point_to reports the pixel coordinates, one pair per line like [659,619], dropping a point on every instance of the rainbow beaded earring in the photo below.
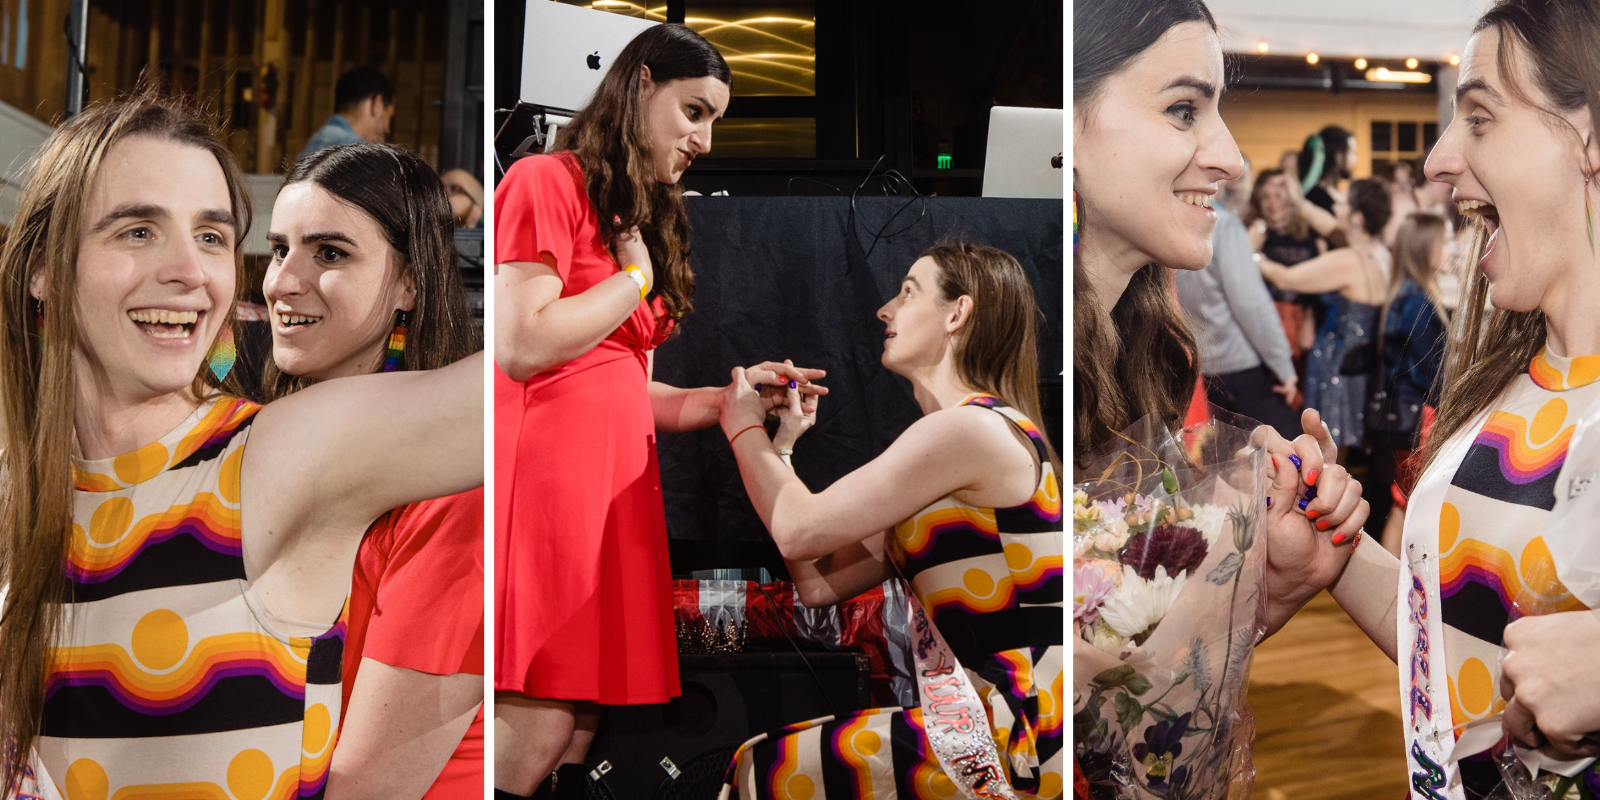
[223,354]
[397,343]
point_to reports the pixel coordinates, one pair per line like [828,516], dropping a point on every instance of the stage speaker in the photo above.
[679,750]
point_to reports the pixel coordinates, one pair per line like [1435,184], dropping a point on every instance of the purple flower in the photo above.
[1090,588]
[1178,548]
[1163,743]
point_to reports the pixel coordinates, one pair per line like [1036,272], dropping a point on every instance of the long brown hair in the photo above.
[1491,347]
[1298,227]
[38,389]
[1415,242]
[998,350]
[611,140]
[408,201]
[1141,358]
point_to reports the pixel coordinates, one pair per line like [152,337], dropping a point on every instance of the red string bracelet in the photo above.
[743,432]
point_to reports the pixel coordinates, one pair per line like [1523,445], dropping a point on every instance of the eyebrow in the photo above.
[1478,85]
[152,211]
[1206,88]
[710,106]
[312,238]
[912,281]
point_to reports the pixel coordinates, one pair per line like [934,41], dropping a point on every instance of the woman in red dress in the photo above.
[591,248]
[365,278]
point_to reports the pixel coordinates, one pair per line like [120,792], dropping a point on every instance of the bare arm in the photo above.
[400,729]
[1330,272]
[942,453]
[340,453]
[1367,590]
[842,574]
[536,329]
[682,410]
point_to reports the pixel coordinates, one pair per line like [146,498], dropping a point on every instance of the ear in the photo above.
[408,293]
[960,313]
[1584,122]
[375,107]
[646,85]
[36,285]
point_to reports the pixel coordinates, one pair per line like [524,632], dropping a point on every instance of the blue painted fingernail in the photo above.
[757,387]
[1304,503]
[1269,502]
[1311,493]
[1295,460]
[792,384]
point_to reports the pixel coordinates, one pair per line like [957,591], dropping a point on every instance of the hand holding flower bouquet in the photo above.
[1168,573]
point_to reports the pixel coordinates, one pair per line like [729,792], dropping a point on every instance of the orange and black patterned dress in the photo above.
[167,680]
[991,579]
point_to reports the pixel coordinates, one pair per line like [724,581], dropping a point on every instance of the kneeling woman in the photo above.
[177,599]
[365,278]
[965,505]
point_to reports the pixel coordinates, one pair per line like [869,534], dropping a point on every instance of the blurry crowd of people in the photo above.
[1335,299]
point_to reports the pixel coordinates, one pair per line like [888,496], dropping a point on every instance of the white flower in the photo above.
[1106,542]
[1101,636]
[1139,604]
[1210,521]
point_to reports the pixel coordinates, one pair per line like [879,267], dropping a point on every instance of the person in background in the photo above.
[1238,195]
[1355,280]
[1288,229]
[1243,350]
[1338,159]
[1412,354]
[466,197]
[363,103]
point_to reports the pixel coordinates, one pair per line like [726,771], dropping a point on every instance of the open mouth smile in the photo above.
[163,323]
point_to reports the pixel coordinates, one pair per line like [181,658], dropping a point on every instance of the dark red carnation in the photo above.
[1175,547]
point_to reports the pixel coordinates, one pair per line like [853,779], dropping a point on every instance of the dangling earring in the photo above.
[222,354]
[397,343]
[38,327]
[1588,210]
[1074,222]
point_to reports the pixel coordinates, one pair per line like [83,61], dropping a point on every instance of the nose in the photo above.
[184,265]
[1219,154]
[886,313]
[1446,164]
[700,140]
[284,278]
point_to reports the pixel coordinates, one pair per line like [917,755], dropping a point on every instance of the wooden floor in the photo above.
[1327,706]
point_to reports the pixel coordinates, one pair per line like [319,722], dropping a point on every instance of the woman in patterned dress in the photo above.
[1488,620]
[175,615]
[965,505]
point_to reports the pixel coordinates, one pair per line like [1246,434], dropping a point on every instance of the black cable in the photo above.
[888,184]
[789,187]
[814,676]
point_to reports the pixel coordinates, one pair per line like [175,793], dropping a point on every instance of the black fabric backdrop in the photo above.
[789,277]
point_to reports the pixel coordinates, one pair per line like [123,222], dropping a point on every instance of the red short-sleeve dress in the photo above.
[583,600]
[416,602]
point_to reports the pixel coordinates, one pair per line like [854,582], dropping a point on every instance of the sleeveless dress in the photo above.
[168,681]
[1341,399]
[583,592]
[991,580]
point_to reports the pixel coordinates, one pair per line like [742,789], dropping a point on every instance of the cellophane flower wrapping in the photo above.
[1169,563]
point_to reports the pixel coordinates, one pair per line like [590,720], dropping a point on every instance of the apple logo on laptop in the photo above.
[594,60]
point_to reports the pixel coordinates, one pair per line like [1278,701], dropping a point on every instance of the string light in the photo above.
[1411,63]
[1455,60]
[1313,58]
[1361,63]
[1261,48]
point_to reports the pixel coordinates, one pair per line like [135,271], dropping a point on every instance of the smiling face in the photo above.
[1275,201]
[1522,171]
[678,115]
[919,321]
[1151,150]
[333,286]
[155,269]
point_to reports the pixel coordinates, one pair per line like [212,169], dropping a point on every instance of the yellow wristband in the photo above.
[638,277]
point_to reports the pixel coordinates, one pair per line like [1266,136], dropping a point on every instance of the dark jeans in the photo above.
[1250,393]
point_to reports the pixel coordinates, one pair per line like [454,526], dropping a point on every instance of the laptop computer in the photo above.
[1024,157]
[567,49]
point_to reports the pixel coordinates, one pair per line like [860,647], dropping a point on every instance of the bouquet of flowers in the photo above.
[1168,574]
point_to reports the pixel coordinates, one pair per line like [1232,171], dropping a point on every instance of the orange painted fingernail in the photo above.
[1338,538]
[1274,463]
[1322,525]
[1311,478]
[1313,514]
